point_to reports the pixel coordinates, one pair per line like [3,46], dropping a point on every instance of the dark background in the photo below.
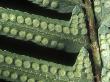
[29,48]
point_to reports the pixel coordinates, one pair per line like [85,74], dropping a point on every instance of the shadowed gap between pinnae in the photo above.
[33,50]
[26,6]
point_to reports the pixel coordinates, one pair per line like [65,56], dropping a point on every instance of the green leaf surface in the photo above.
[62,6]
[38,29]
[45,73]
